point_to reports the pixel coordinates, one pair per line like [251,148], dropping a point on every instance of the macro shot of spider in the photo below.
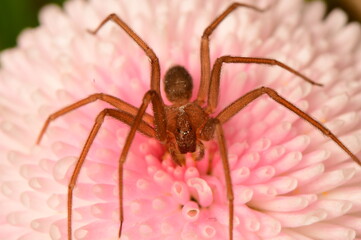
[184,125]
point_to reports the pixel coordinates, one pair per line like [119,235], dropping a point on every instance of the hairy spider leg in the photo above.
[154,61]
[161,135]
[227,175]
[124,117]
[116,102]
[243,101]
[205,55]
[216,72]
[209,87]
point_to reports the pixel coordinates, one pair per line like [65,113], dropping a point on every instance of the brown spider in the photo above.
[183,125]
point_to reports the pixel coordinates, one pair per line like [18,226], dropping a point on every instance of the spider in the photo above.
[183,125]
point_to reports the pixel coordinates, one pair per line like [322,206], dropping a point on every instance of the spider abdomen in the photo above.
[178,84]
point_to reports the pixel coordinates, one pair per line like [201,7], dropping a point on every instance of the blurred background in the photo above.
[16,15]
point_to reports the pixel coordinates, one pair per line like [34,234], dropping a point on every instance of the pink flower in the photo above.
[290,182]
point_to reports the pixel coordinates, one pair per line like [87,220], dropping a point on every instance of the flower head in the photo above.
[289,181]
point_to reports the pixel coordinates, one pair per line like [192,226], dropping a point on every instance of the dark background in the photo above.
[16,15]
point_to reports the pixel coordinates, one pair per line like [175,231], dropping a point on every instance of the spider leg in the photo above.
[127,118]
[160,133]
[227,175]
[205,59]
[216,72]
[155,68]
[206,132]
[243,101]
[116,102]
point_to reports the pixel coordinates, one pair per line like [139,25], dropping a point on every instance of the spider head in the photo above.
[178,84]
[185,135]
